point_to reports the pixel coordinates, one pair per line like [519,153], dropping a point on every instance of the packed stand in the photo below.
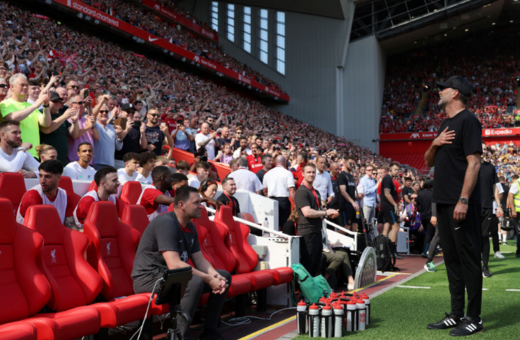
[203,47]
[490,62]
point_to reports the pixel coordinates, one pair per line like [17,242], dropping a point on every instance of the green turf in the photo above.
[403,313]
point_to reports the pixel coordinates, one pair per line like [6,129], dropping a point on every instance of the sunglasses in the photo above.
[154,115]
[103,111]
[3,86]
[59,100]
[74,86]
[79,103]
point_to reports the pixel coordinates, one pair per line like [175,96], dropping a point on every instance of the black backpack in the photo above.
[384,254]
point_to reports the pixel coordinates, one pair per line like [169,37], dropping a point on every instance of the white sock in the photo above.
[504,237]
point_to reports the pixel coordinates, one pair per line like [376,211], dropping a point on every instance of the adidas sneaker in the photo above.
[449,321]
[467,327]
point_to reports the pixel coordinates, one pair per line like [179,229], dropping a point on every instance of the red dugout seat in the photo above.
[131,192]
[18,331]
[26,291]
[93,186]
[12,187]
[135,216]
[66,184]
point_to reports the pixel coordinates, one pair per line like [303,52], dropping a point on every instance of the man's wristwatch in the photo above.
[22,149]
[120,140]
[463,200]
[45,105]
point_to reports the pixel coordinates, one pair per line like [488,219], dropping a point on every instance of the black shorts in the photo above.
[379,217]
[349,215]
[388,216]
[488,221]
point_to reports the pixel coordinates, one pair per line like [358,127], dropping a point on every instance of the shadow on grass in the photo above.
[505,271]
[502,318]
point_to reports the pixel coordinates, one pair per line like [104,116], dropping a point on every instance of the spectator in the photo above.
[183,167]
[206,140]
[110,139]
[301,160]
[245,179]
[80,170]
[183,134]
[34,91]
[233,165]
[88,132]
[202,169]
[60,130]
[155,135]
[369,191]
[224,138]
[178,180]
[156,199]
[290,227]
[107,187]
[278,184]
[407,190]
[255,159]
[323,182]
[208,188]
[134,136]
[243,149]
[4,88]
[129,172]
[225,155]
[72,88]
[48,193]
[267,164]
[147,164]
[13,153]
[16,108]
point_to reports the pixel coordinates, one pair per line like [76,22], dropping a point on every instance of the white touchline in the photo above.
[512,290]
[414,287]
[484,289]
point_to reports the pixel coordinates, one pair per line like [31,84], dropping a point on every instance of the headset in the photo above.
[206,183]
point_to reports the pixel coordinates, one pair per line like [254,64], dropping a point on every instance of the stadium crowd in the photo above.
[176,35]
[489,61]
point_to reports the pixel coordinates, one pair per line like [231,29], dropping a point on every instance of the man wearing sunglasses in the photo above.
[4,88]
[86,125]
[156,135]
[134,138]
[72,88]
[368,189]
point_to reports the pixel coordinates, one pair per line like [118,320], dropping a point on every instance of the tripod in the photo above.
[174,333]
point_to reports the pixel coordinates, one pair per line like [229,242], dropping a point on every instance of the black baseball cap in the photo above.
[54,96]
[458,83]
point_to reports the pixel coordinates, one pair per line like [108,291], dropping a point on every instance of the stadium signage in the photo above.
[431,135]
[180,19]
[366,272]
[166,45]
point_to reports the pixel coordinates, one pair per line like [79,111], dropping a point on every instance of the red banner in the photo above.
[180,19]
[128,28]
[40,16]
[486,133]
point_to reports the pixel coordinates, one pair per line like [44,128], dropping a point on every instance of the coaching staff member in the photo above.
[310,215]
[455,153]
[168,242]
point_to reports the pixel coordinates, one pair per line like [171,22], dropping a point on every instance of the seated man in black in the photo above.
[168,242]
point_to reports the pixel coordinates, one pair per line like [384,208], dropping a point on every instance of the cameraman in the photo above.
[162,248]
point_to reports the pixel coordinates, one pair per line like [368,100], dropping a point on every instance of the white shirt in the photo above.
[75,171]
[144,180]
[238,153]
[194,182]
[246,180]
[94,195]
[323,184]
[17,160]
[514,188]
[278,180]
[60,203]
[210,146]
[124,177]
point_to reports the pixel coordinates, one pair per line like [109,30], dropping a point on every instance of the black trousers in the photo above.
[489,225]
[429,229]
[311,248]
[462,244]
[284,210]
[433,244]
[196,287]
[516,221]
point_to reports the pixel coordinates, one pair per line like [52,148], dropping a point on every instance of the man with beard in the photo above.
[13,153]
[157,197]
[347,186]
[81,170]
[254,161]
[134,136]
[155,135]
[243,149]
[169,242]
[267,164]
[107,186]
[455,153]
[48,193]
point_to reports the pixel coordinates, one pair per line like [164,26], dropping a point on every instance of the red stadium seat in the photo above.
[248,217]
[12,187]
[25,289]
[18,331]
[131,192]
[93,186]
[135,216]
[66,184]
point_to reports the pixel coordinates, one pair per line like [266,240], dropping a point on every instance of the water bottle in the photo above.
[366,298]
[265,225]
[326,322]
[361,316]
[351,316]
[338,319]
[314,321]
[301,317]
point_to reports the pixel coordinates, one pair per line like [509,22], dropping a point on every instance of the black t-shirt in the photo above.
[260,174]
[334,204]
[451,162]
[305,198]
[488,177]
[58,138]
[164,233]
[424,203]
[504,196]
[387,183]
[349,182]
[130,143]
[155,136]
[407,192]
[233,204]
[222,141]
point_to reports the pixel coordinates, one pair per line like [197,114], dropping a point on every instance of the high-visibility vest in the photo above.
[517,196]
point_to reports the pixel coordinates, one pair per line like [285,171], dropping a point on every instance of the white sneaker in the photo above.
[499,256]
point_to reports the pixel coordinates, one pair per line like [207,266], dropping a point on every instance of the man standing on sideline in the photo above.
[310,215]
[279,185]
[455,153]
[503,201]
[489,222]
[334,204]
[81,170]
[389,208]
[323,182]
[513,201]
[369,189]
[407,190]
[347,187]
